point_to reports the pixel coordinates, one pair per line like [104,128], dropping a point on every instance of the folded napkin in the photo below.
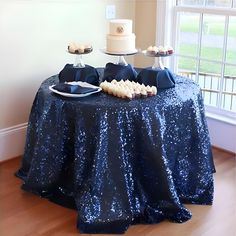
[119,72]
[74,89]
[87,74]
[162,79]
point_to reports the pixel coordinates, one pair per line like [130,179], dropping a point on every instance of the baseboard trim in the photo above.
[224,150]
[9,160]
[12,141]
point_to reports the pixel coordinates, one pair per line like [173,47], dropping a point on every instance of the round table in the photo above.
[120,162]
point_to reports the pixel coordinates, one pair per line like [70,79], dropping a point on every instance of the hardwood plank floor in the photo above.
[24,214]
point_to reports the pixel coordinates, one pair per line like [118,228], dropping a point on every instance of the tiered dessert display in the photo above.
[159,52]
[120,41]
[79,50]
[120,79]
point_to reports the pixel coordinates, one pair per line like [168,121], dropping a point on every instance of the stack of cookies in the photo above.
[79,48]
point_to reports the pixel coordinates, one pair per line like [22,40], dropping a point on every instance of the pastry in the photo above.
[79,48]
[127,89]
[149,91]
[155,51]
[154,90]
[143,93]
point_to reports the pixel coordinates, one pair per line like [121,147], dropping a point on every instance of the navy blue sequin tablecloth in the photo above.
[120,162]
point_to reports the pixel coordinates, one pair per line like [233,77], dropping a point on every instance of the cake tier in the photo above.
[120,44]
[120,27]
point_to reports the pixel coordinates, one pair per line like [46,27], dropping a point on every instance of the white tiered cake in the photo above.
[120,38]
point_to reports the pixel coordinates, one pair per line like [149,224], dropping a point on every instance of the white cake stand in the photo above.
[121,59]
[158,64]
[78,62]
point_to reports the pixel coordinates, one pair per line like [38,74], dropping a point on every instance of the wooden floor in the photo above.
[24,214]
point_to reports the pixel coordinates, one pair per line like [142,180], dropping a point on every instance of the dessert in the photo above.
[120,38]
[79,48]
[127,89]
[159,51]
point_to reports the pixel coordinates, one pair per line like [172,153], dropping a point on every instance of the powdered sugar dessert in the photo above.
[127,89]
[159,51]
[75,48]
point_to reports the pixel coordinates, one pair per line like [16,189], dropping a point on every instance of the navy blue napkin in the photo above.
[162,79]
[74,89]
[87,74]
[119,72]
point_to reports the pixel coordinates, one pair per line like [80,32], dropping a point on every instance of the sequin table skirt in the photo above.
[120,162]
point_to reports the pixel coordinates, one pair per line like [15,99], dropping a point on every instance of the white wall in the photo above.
[33,39]
[145,29]
[34,35]
[222,134]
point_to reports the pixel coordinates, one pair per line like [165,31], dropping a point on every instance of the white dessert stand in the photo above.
[121,59]
[78,62]
[158,64]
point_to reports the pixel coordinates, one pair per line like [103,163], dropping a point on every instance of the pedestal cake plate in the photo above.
[78,62]
[158,64]
[121,60]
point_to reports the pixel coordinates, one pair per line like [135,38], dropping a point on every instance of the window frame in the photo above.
[167,20]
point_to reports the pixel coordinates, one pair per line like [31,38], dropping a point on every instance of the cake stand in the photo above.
[158,64]
[78,62]
[121,60]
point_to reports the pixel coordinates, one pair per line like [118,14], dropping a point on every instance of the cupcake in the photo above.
[149,91]
[80,49]
[123,93]
[155,49]
[137,93]
[129,95]
[72,47]
[88,48]
[154,90]
[114,81]
[131,90]
[170,50]
[143,93]
[162,50]
[115,91]
[143,87]
[149,49]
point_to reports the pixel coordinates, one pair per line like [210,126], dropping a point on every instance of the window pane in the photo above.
[229,93]
[209,80]
[231,42]
[188,34]
[210,68]
[190,2]
[210,98]
[186,65]
[229,89]
[208,3]
[230,71]
[218,3]
[212,37]
[229,102]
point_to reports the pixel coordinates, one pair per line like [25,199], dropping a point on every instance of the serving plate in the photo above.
[151,54]
[76,95]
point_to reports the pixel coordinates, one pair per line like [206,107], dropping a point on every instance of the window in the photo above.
[205,46]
